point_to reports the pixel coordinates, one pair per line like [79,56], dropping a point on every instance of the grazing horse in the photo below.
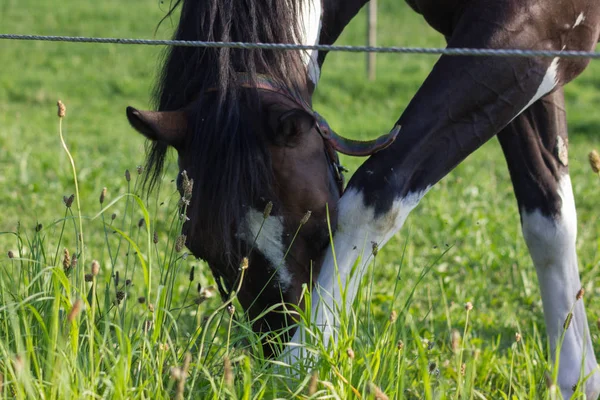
[242,125]
[261,160]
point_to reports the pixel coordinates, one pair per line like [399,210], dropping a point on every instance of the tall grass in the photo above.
[127,316]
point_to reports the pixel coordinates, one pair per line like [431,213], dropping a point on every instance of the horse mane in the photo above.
[231,163]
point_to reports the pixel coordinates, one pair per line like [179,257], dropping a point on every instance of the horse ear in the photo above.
[163,126]
[292,125]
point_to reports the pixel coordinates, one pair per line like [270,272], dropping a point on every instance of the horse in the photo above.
[242,124]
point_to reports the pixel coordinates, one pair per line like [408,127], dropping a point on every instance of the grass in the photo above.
[63,337]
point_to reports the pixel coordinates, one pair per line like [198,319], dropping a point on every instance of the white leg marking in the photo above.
[311,28]
[358,228]
[551,243]
[268,242]
[547,85]
[579,20]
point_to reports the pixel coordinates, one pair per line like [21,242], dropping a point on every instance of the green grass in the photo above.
[462,244]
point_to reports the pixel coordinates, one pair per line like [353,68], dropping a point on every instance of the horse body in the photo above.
[464,102]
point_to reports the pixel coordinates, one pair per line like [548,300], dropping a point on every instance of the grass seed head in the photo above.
[244,264]
[68,200]
[66,260]
[187,185]
[141,222]
[595,161]
[350,353]
[75,310]
[102,195]
[89,277]
[463,369]
[568,321]
[580,294]
[393,316]
[95,267]
[141,300]
[231,310]
[127,175]
[179,243]
[155,237]
[306,217]
[377,392]
[113,216]
[62,110]
[468,306]
[374,248]
[120,296]
[139,169]
[400,345]
[518,337]
[433,368]
[205,294]
[10,254]
[192,274]
[267,210]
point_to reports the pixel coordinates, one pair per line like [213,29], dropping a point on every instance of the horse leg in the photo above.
[535,147]
[463,103]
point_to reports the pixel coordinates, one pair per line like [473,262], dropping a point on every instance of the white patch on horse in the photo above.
[551,243]
[358,228]
[547,85]
[310,21]
[268,242]
[579,20]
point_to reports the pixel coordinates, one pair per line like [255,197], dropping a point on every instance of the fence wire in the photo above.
[319,47]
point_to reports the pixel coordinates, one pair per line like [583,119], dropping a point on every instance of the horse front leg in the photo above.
[535,147]
[463,103]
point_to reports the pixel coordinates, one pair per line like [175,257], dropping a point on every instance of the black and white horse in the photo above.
[242,124]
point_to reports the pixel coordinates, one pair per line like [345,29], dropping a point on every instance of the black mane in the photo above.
[231,163]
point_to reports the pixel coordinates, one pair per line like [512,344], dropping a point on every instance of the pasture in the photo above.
[151,333]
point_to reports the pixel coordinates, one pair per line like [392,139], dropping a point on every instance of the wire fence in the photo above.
[318,47]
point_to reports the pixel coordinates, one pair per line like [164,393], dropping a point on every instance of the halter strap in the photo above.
[351,147]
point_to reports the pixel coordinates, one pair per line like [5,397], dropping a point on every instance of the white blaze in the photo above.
[268,242]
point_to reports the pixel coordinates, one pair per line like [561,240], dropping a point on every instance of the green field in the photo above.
[462,244]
